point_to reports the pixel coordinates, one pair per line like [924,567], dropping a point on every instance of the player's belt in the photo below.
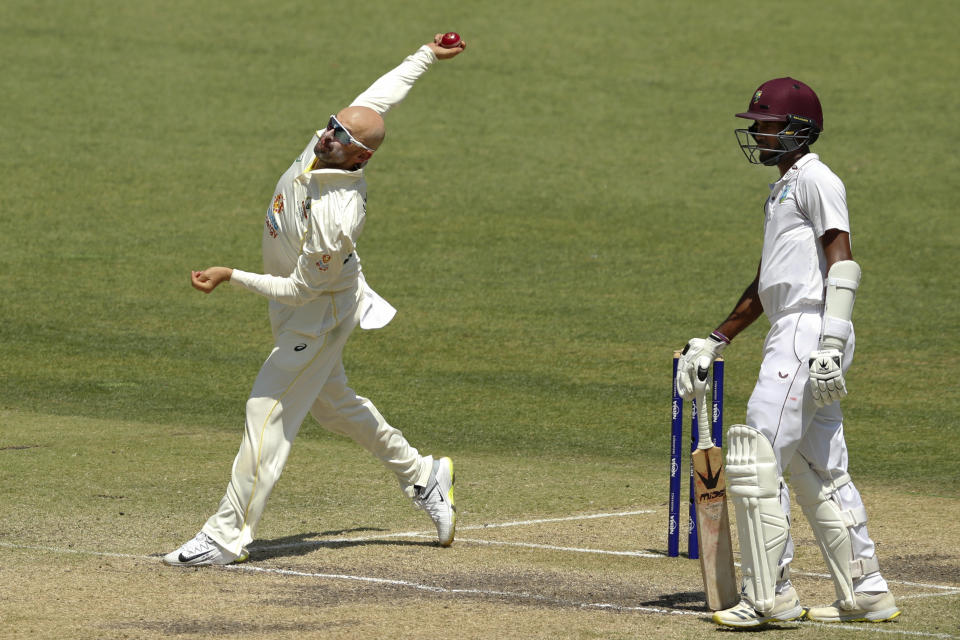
[349,255]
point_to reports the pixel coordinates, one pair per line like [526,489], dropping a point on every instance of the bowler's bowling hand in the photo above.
[445,53]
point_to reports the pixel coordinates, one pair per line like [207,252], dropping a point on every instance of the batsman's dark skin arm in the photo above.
[747,309]
[836,247]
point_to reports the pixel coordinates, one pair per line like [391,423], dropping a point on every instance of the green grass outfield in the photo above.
[553,213]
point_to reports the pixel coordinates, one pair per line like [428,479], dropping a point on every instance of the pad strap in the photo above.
[843,283]
[841,480]
[860,568]
[850,517]
[837,328]
[854,517]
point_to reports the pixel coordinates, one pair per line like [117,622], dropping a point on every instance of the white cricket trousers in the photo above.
[303,373]
[782,408]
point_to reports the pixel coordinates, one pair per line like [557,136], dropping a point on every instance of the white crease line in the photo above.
[482,592]
[827,576]
[550,547]
[914,596]
[520,523]
[872,628]
[85,552]
[929,586]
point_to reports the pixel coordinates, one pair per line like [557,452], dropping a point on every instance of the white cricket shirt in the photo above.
[805,203]
[313,222]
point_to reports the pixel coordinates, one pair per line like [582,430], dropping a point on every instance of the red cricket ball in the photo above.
[450,40]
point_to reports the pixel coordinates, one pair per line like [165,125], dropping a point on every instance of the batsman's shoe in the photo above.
[436,498]
[199,551]
[786,607]
[875,607]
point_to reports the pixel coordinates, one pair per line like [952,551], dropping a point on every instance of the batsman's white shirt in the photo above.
[806,202]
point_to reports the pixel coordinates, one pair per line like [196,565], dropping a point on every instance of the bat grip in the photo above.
[701,386]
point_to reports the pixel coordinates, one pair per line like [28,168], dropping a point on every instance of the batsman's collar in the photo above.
[810,157]
[792,171]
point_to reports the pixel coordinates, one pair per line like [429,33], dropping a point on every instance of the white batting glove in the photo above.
[695,349]
[826,377]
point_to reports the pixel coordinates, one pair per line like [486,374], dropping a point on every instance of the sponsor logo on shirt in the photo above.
[784,194]
[324,263]
[305,208]
[273,228]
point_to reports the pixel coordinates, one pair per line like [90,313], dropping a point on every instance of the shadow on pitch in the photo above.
[683,600]
[304,543]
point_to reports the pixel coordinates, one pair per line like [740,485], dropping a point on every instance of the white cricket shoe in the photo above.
[876,607]
[437,500]
[786,607]
[200,550]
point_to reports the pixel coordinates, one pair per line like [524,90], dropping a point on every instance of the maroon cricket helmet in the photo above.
[785,99]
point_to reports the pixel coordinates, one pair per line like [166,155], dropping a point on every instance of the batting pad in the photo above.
[831,525]
[753,484]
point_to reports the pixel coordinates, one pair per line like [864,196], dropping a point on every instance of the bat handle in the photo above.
[702,390]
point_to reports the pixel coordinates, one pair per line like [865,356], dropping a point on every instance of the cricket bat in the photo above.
[710,497]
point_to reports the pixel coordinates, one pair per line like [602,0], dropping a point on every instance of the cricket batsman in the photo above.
[806,285]
[317,295]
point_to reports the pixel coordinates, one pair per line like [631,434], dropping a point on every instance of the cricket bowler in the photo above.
[317,295]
